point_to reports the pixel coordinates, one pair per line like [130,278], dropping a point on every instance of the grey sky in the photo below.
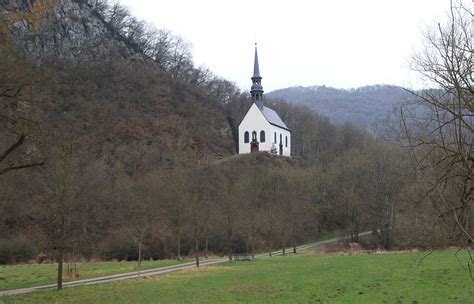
[342,43]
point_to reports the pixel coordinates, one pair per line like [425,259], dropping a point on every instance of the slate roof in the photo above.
[273,117]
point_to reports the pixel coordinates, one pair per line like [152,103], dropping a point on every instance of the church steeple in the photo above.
[257,89]
[256,69]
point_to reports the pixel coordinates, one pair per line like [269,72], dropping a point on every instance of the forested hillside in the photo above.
[113,144]
[363,107]
[88,88]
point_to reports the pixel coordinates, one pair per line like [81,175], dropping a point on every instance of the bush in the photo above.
[15,250]
[115,247]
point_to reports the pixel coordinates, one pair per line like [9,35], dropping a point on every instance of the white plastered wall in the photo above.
[256,121]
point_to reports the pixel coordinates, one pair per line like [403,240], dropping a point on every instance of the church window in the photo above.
[281,139]
[286,141]
[275,137]
[262,136]
[254,136]
[246,137]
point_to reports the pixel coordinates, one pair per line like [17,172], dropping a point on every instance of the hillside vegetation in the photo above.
[114,145]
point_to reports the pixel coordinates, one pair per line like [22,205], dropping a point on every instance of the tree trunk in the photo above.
[178,243]
[355,225]
[206,247]
[139,256]
[61,252]
[253,247]
[293,239]
[229,244]
[269,248]
[293,243]
[247,245]
[196,249]
[63,180]
[357,221]
[469,226]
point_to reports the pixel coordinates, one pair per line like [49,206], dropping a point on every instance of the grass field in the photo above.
[28,275]
[301,278]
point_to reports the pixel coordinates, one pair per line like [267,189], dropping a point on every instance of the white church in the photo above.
[262,129]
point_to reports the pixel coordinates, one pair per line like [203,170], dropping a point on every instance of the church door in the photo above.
[254,143]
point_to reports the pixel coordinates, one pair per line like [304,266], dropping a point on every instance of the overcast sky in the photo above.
[338,43]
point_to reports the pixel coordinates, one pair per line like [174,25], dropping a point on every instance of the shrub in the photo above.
[18,249]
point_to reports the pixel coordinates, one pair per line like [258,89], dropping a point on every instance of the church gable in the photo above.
[254,118]
[264,114]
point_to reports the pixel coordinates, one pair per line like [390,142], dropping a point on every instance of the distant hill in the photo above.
[361,106]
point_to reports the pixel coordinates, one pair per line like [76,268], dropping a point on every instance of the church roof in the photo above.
[273,118]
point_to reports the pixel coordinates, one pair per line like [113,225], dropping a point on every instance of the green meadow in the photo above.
[300,278]
[29,275]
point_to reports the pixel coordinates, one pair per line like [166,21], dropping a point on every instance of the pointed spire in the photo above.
[256,69]
[257,88]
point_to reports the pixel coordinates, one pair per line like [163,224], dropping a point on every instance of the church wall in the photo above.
[284,134]
[256,121]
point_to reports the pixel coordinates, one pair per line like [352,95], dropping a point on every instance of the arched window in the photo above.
[275,137]
[254,136]
[286,141]
[281,139]
[246,137]
[262,136]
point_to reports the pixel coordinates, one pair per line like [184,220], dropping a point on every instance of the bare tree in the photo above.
[387,169]
[438,125]
[230,206]
[300,212]
[19,113]
[139,198]
[251,199]
[202,181]
[172,53]
[173,186]
[272,218]
[61,182]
